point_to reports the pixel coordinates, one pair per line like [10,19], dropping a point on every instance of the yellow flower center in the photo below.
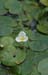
[22,38]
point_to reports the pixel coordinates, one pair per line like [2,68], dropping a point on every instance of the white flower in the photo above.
[22,37]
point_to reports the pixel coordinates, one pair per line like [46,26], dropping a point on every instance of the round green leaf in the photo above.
[33,10]
[26,67]
[7,55]
[45,2]
[2,8]
[7,41]
[20,56]
[14,6]
[5,25]
[39,45]
[39,42]
[12,56]
[43,66]
[43,27]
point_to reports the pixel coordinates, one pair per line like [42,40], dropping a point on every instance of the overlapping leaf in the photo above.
[14,6]
[45,2]
[10,56]
[43,27]
[39,43]
[5,25]
[43,66]
[2,7]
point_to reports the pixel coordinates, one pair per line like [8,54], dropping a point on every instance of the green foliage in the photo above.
[5,25]
[2,7]
[45,2]
[43,66]
[24,58]
[14,6]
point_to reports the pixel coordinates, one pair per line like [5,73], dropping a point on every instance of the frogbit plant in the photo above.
[22,37]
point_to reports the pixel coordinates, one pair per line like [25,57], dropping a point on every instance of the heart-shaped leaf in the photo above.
[39,42]
[14,6]
[43,25]
[26,67]
[2,7]
[45,2]
[7,41]
[20,56]
[5,25]
[12,56]
[43,66]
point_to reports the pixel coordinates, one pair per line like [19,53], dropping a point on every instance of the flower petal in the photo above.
[22,33]
[26,38]
[18,39]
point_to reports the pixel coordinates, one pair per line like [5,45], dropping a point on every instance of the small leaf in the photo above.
[43,26]
[11,56]
[43,66]
[2,7]
[45,2]
[7,55]
[7,41]
[14,6]
[5,25]
[39,42]
[20,56]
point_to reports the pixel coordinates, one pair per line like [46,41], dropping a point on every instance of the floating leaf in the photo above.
[2,7]
[7,41]
[45,2]
[32,11]
[5,25]
[39,42]
[43,26]
[14,6]
[8,56]
[43,66]
[26,67]
[20,56]
[11,56]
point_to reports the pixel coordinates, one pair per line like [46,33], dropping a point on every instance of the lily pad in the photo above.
[45,2]
[26,67]
[14,6]
[39,45]
[12,56]
[8,56]
[5,25]
[7,41]
[2,7]
[35,12]
[43,66]
[39,42]
[20,56]
[32,11]
[43,26]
